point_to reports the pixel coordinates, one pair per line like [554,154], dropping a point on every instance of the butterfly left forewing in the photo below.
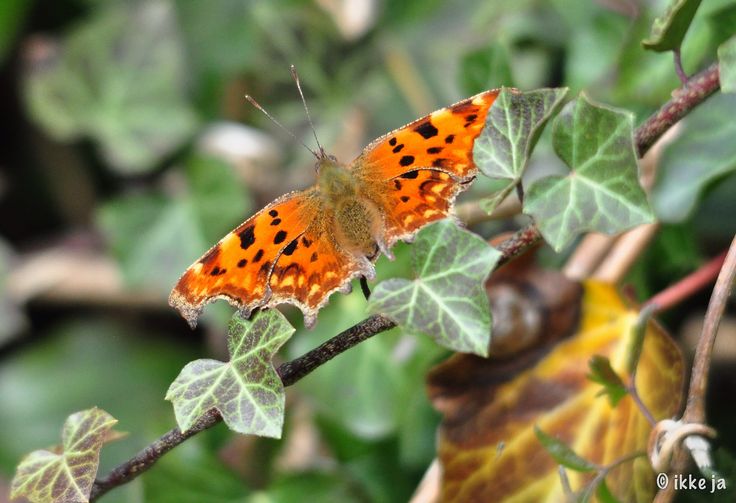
[238,268]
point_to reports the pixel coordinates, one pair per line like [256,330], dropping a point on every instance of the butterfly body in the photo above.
[308,244]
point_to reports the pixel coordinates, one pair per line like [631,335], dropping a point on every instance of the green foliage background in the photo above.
[113,117]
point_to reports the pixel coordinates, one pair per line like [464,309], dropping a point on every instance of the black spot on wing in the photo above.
[279,237]
[426,129]
[398,148]
[273,213]
[276,221]
[407,160]
[291,247]
[406,198]
[434,150]
[397,184]
[392,142]
[449,138]
[314,257]
[306,242]
[410,175]
[247,237]
[258,256]
[242,262]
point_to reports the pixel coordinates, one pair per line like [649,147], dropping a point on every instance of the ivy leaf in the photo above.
[246,391]
[67,472]
[727,65]
[512,128]
[602,191]
[669,29]
[119,80]
[703,153]
[602,373]
[562,453]
[446,301]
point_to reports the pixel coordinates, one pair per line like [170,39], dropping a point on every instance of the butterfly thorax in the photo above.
[357,220]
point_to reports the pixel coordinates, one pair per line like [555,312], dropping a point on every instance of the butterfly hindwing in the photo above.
[238,268]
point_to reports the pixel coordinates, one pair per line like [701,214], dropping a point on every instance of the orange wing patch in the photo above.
[239,266]
[415,199]
[442,140]
[310,269]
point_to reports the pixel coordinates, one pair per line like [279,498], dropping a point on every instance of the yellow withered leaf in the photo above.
[487,447]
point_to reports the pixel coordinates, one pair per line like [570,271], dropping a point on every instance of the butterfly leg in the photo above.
[364,287]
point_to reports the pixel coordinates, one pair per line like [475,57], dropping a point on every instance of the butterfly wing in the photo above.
[415,172]
[312,267]
[238,268]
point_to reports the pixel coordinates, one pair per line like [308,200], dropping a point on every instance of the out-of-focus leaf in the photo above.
[11,18]
[669,30]
[486,68]
[604,494]
[701,154]
[562,453]
[156,237]
[602,373]
[120,81]
[727,65]
[246,391]
[512,128]
[65,473]
[10,313]
[602,191]
[446,301]
[549,387]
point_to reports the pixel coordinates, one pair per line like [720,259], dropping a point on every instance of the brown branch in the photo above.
[695,408]
[688,97]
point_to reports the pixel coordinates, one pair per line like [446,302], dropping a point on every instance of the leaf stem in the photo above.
[684,100]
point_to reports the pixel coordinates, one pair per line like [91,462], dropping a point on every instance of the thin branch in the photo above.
[697,89]
[695,408]
[688,97]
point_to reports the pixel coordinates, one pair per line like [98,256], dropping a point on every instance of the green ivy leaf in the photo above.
[512,128]
[669,30]
[602,191]
[563,454]
[602,373]
[66,472]
[446,301]
[727,65]
[704,152]
[120,81]
[246,391]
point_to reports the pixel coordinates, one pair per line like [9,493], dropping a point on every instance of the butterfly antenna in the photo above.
[306,108]
[288,131]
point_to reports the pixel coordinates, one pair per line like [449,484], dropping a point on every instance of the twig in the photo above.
[687,286]
[695,408]
[697,89]
[687,98]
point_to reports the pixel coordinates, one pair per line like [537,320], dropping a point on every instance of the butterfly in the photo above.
[308,244]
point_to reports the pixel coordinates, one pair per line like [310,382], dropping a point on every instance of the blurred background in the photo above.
[128,149]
